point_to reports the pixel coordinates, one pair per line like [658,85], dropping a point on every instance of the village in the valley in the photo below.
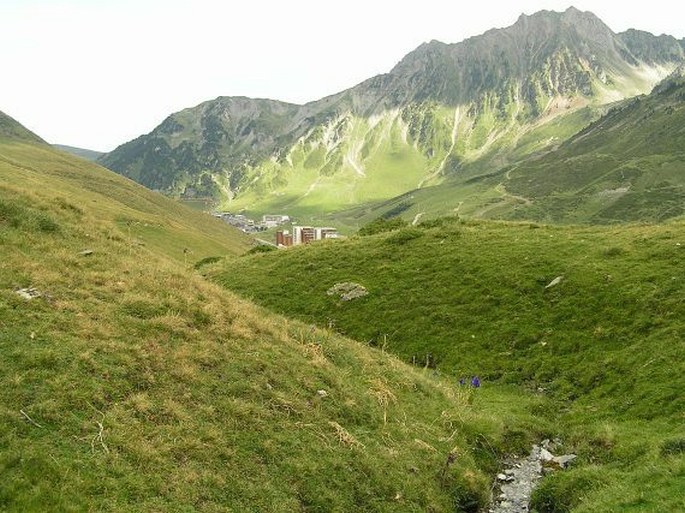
[284,237]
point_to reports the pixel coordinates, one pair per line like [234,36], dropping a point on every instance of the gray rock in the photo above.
[545,455]
[86,252]
[348,290]
[565,460]
[520,478]
[556,281]
[29,293]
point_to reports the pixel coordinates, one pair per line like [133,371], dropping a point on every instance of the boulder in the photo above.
[348,290]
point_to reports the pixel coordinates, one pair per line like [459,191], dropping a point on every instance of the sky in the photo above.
[97,73]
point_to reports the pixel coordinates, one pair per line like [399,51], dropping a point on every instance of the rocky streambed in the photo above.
[516,483]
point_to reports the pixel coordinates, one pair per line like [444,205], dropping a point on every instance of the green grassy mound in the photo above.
[604,344]
[129,383]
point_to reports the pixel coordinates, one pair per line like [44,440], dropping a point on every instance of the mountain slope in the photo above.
[129,383]
[590,318]
[626,166]
[80,152]
[10,129]
[444,112]
[136,215]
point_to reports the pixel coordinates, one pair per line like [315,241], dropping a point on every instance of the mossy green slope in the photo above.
[141,217]
[605,344]
[11,129]
[626,166]
[132,384]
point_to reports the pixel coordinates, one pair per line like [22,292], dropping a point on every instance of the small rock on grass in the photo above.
[29,293]
[348,290]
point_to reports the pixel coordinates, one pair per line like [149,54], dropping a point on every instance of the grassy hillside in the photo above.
[11,130]
[80,152]
[126,210]
[605,345]
[355,162]
[129,383]
[627,166]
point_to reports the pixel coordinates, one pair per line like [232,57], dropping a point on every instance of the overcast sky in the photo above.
[97,73]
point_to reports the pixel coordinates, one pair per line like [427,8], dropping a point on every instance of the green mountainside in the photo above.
[80,152]
[626,166]
[591,319]
[12,130]
[147,219]
[130,383]
[629,165]
[445,112]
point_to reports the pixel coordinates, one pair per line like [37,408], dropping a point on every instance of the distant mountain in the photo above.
[628,165]
[445,112]
[80,152]
[13,130]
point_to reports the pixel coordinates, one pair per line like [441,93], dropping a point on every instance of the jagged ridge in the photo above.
[443,110]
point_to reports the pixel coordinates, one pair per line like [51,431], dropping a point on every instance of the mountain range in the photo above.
[446,113]
[134,378]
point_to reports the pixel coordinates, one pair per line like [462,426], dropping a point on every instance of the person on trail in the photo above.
[475,382]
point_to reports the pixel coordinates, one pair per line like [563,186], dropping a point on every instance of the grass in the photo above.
[125,210]
[625,167]
[133,384]
[604,346]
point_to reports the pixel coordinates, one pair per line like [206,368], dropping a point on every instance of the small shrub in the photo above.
[563,491]
[9,213]
[18,216]
[45,223]
[403,236]
[207,261]
[672,447]
[261,248]
[613,251]
[440,222]
[382,225]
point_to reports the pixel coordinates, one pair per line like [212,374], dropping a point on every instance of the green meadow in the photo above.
[131,383]
[603,347]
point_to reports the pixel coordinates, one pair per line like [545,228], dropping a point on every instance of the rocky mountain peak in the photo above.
[547,63]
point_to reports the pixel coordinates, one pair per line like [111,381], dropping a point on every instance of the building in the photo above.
[326,233]
[303,234]
[307,234]
[284,238]
[272,221]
